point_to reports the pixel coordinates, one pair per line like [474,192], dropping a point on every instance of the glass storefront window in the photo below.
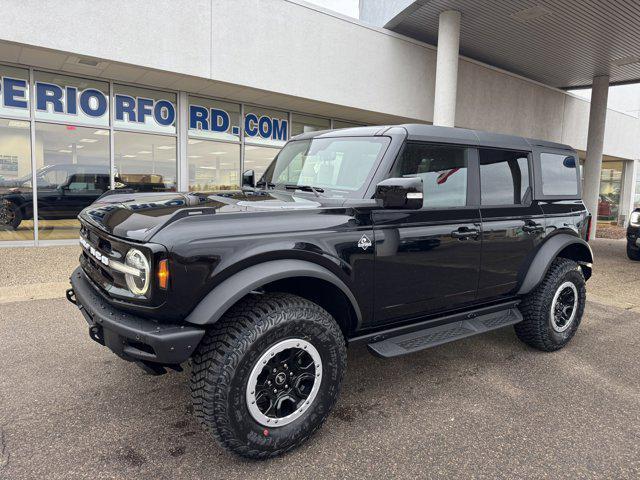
[305,123]
[15,92]
[144,110]
[265,126]
[145,163]
[258,158]
[72,171]
[610,188]
[213,119]
[213,165]
[16,194]
[63,98]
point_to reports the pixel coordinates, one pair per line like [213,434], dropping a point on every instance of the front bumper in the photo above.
[130,337]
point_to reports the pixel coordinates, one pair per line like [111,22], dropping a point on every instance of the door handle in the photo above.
[463,233]
[533,227]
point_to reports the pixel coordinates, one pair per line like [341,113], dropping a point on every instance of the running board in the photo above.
[434,336]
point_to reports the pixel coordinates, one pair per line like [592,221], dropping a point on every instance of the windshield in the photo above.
[339,165]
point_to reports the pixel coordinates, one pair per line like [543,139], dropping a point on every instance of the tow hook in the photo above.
[71,296]
[95,332]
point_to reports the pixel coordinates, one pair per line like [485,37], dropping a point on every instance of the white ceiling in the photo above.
[563,43]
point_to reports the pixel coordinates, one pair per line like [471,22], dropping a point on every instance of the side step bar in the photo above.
[434,336]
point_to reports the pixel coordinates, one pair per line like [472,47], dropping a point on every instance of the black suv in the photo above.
[64,190]
[398,237]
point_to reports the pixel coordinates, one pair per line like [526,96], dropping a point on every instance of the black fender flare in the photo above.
[547,253]
[223,296]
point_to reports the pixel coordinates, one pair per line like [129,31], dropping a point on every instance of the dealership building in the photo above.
[186,95]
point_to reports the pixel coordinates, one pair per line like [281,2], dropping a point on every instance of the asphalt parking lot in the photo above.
[482,407]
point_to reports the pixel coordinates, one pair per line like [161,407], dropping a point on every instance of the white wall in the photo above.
[303,52]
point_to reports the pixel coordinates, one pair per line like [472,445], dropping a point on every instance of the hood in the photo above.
[139,216]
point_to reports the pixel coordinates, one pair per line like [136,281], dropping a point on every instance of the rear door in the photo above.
[428,260]
[512,222]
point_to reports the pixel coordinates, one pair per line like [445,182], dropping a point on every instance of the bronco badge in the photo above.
[364,242]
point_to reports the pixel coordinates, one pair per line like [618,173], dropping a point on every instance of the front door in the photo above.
[512,223]
[428,260]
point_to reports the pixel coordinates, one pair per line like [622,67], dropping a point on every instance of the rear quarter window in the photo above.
[559,174]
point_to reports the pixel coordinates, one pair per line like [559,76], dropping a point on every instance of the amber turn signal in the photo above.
[163,274]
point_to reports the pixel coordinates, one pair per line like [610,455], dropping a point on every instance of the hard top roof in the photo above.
[431,133]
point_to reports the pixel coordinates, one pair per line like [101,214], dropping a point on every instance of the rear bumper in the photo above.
[130,337]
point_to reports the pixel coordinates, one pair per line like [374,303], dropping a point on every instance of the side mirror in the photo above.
[404,193]
[249,178]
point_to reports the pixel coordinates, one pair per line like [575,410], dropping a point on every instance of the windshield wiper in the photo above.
[305,188]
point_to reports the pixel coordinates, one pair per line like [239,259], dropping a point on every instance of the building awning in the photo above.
[562,43]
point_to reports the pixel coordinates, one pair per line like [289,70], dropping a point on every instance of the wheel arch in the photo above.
[561,245]
[300,277]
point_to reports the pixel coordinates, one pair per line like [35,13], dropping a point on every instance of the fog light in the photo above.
[137,283]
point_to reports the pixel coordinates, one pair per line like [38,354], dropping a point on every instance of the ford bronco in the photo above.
[399,237]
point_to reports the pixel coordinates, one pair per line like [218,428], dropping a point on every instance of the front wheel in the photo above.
[632,252]
[10,215]
[268,374]
[553,311]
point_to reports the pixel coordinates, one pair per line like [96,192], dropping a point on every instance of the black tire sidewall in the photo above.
[17,219]
[244,426]
[574,276]
[633,253]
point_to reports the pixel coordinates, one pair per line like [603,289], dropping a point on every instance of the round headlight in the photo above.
[635,219]
[138,284]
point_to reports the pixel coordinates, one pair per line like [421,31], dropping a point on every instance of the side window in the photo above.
[504,177]
[559,176]
[443,170]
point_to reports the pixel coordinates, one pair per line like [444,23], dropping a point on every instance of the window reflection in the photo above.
[145,163]
[305,123]
[213,165]
[258,158]
[72,172]
[16,198]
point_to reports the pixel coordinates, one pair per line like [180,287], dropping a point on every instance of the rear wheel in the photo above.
[266,377]
[553,311]
[632,252]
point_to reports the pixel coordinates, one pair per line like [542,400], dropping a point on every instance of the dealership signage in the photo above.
[90,106]
[217,123]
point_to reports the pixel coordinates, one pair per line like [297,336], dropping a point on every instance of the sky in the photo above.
[623,98]
[345,7]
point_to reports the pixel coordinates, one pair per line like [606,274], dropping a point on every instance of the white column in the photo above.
[444,103]
[595,142]
[628,191]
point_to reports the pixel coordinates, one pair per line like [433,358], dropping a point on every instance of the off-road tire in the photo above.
[223,361]
[633,253]
[536,329]
[17,215]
